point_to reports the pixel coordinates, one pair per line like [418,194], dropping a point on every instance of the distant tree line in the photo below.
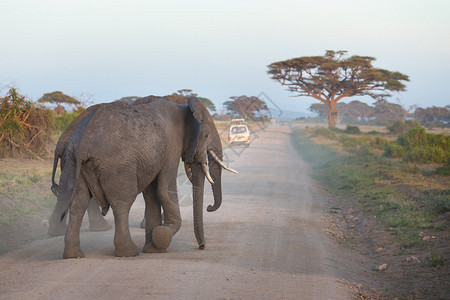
[385,113]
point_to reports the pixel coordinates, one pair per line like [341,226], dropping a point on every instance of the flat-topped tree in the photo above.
[245,106]
[334,76]
[57,98]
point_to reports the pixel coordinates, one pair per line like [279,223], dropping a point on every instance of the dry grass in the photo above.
[24,188]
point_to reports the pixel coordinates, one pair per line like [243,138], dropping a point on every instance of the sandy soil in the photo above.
[267,241]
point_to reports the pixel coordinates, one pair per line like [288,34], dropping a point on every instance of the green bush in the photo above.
[426,154]
[418,146]
[379,142]
[394,150]
[400,127]
[415,137]
[62,121]
[352,130]
[439,140]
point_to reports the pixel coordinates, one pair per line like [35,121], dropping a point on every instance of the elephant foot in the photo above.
[57,229]
[73,253]
[150,248]
[99,225]
[143,223]
[161,237]
[132,250]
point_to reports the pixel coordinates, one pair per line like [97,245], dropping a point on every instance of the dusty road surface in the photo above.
[265,242]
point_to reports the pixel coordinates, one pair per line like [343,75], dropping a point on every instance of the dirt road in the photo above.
[265,242]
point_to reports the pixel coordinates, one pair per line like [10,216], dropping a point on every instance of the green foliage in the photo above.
[394,150]
[62,121]
[418,146]
[415,137]
[364,152]
[352,130]
[350,142]
[399,127]
[24,127]
[426,154]
[372,181]
[379,142]
[324,132]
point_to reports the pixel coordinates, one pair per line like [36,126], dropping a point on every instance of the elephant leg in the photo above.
[152,217]
[167,195]
[124,245]
[143,222]
[96,221]
[57,226]
[79,205]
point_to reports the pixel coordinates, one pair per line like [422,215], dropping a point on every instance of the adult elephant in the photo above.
[56,225]
[122,150]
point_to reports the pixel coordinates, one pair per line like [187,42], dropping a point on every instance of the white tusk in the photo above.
[205,169]
[217,159]
[188,171]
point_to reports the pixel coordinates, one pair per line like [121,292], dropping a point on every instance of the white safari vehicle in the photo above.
[238,134]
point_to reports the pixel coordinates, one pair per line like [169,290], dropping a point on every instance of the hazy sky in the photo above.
[110,49]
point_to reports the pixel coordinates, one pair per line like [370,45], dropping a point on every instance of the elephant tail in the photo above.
[78,163]
[55,186]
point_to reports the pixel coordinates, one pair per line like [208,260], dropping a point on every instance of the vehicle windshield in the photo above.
[240,129]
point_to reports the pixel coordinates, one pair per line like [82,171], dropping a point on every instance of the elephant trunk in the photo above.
[198,183]
[216,173]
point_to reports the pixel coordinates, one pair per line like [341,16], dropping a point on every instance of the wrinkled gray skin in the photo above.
[121,150]
[56,225]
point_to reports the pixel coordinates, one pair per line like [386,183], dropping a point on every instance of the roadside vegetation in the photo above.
[403,180]
[393,209]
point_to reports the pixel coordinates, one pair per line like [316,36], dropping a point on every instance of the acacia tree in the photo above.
[57,98]
[334,76]
[245,106]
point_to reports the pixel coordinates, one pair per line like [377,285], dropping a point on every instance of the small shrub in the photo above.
[365,151]
[350,142]
[324,132]
[394,150]
[352,130]
[399,127]
[379,142]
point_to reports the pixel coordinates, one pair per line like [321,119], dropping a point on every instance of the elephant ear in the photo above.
[198,110]
[194,122]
